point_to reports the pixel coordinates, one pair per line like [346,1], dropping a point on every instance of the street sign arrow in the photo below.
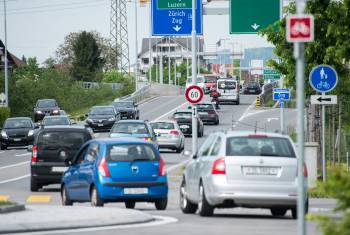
[324,99]
[177,28]
[255,26]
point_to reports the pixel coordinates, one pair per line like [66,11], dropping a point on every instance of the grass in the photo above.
[6,203]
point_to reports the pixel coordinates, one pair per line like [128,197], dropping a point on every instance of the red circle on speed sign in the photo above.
[194,94]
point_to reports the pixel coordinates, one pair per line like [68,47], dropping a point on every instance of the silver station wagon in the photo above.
[242,169]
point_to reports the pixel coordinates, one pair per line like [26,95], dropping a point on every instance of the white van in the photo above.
[200,82]
[229,91]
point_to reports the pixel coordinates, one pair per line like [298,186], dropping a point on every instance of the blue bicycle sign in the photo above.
[323,78]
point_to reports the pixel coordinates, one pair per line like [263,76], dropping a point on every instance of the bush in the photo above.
[4,114]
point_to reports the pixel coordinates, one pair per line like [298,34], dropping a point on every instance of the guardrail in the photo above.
[138,95]
[91,85]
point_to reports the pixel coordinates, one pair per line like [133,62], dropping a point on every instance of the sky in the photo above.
[35,28]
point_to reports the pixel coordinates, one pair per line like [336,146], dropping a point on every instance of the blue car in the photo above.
[125,170]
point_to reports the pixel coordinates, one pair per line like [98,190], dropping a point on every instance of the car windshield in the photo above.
[18,123]
[123,104]
[51,140]
[227,85]
[210,79]
[130,153]
[205,106]
[53,121]
[102,111]
[199,80]
[163,125]
[183,115]
[46,104]
[130,128]
[259,146]
[252,85]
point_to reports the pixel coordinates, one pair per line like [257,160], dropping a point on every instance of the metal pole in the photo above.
[324,167]
[150,59]
[175,76]
[198,60]
[136,47]
[347,162]
[281,111]
[157,62]
[187,61]
[169,62]
[194,76]
[6,60]
[333,135]
[339,134]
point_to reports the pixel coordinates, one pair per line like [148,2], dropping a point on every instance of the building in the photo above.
[13,61]
[176,49]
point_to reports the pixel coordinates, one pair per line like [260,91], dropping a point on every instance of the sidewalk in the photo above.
[45,218]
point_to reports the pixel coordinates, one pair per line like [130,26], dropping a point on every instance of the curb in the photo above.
[11,208]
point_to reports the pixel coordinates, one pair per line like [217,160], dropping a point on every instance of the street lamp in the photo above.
[6,61]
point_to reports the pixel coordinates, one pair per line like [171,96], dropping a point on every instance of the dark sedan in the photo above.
[127,109]
[45,107]
[61,120]
[102,118]
[208,113]
[184,120]
[17,131]
[252,88]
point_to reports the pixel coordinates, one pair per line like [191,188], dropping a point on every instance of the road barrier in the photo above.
[257,102]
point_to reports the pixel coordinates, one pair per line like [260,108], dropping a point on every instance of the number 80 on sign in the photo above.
[194,94]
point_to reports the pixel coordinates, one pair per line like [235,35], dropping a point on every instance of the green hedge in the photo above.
[4,114]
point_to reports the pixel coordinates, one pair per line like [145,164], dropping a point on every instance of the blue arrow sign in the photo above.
[281,94]
[175,21]
[323,78]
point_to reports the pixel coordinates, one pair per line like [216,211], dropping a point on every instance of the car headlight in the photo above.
[39,112]
[56,111]
[89,120]
[3,134]
[31,132]
[111,119]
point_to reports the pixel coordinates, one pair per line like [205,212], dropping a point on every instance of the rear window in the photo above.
[51,140]
[210,79]
[199,80]
[46,104]
[18,123]
[183,115]
[227,85]
[130,128]
[131,153]
[163,125]
[259,146]
[205,106]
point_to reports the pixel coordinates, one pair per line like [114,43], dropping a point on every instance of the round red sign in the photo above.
[194,94]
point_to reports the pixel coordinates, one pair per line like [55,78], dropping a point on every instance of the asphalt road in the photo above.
[14,179]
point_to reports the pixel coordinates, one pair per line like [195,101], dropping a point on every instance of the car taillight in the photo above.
[35,154]
[161,167]
[148,139]
[305,171]
[219,167]
[103,168]
[174,132]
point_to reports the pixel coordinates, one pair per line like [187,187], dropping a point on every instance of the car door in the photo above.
[73,184]
[86,170]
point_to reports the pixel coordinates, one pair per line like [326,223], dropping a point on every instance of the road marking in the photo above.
[2,152]
[4,198]
[23,154]
[171,111]
[171,168]
[159,220]
[245,114]
[13,165]
[38,199]
[14,179]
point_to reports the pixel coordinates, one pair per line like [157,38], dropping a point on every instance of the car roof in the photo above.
[17,118]
[183,111]
[122,140]
[132,121]
[102,106]
[55,116]
[46,100]
[123,101]
[64,127]
[247,133]
[164,120]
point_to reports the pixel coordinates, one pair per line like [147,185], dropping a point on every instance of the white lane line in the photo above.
[245,114]
[23,154]
[171,168]
[13,165]
[14,179]
[171,111]
[2,152]
[159,220]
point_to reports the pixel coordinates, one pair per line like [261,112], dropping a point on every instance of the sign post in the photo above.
[194,73]
[281,95]
[323,78]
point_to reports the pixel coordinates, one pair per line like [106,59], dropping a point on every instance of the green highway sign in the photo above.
[250,16]
[270,74]
[174,4]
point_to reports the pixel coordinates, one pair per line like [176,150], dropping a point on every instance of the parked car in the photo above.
[207,113]
[229,91]
[134,128]
[45,107]
[116,170]
[210,82]
[252,88]
[184,120]
[200,81]
[242,169]
[169,135]
[56,121]
[127,109]
[102,118]
[17,131]
[53,146]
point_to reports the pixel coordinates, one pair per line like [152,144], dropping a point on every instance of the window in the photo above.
[216,147]
[130,128]
[80,156]
[205,148]
[92,152]
[130,153]
[145,60]
[54,140]
[163,125]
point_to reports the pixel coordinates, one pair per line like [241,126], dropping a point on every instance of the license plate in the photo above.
[99,124]
[17,139]
[59,169]
[184,126]
[136,191]
[261,170]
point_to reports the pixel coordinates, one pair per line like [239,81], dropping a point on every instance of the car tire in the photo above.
[186,206]
[278,212]
[161,204]
[65,198]
[130,204]
[295,212]
[204,208]
[34,185]
[217,122]
[3,147]
[95,199]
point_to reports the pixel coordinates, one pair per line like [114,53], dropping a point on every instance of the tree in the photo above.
[65,55]
[87,62]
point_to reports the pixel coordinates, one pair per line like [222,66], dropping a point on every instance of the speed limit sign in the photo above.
[194,94]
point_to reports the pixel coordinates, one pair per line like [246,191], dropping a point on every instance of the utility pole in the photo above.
[339,133]
[136,48]
[194,76]
[6,60]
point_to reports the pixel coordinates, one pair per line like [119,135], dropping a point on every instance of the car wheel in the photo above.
[34,185]
[161,204]
[179,149]
[204,208]
[96,201]
[217,122]
[130,204]
[3,147]
[295,212]
[277,212]
[186,206]
[65,198]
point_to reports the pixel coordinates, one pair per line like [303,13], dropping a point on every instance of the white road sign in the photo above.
[324,99]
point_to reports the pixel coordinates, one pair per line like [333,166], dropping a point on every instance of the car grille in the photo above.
[17,136]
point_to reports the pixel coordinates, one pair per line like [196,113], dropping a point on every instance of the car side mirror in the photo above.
[36,126]
[30,148]
[73,122]
[86,115]
[68,162]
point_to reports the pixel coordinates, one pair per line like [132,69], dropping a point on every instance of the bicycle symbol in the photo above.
[321,85]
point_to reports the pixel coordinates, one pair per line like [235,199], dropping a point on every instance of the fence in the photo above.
[91,85]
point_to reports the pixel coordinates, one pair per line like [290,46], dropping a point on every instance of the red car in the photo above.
[210,82]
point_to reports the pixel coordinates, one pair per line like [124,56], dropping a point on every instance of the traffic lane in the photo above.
[13,156]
